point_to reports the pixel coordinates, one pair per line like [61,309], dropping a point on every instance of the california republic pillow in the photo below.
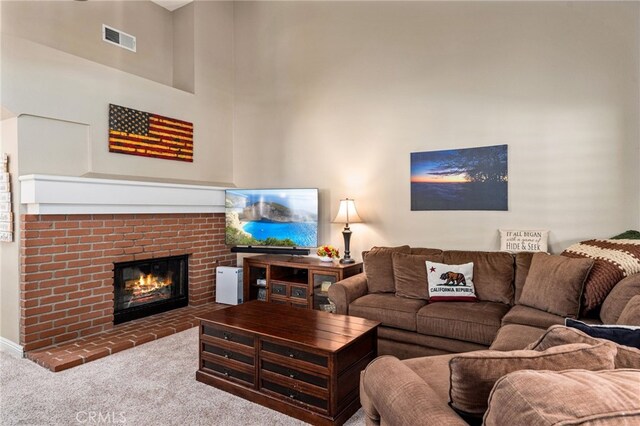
[449,283]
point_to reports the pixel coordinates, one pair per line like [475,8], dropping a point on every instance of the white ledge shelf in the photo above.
[48,194]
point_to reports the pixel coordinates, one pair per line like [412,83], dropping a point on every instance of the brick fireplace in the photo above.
[67,266]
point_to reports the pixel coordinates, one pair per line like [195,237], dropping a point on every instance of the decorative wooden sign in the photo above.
[149,135]
[6,216]
[523,240]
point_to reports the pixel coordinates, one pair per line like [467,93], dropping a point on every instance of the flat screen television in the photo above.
[271,217]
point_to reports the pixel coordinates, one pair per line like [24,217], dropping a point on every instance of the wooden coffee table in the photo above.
[300,362]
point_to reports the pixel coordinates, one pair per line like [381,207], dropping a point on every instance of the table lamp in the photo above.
[347,214]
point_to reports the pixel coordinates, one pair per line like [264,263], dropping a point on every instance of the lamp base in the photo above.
[347,261]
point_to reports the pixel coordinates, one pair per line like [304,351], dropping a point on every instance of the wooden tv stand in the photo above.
[293,280]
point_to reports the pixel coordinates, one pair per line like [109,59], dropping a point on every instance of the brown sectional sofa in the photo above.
[412,381]
[412,327]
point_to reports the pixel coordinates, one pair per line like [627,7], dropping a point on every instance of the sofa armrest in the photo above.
[400,397]
[346,291]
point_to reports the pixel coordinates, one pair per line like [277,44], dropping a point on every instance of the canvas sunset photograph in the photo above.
[460,179]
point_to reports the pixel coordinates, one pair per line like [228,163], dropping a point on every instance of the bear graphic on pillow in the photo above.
[453,278]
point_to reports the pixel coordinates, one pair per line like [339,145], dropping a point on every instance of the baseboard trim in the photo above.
[11,347]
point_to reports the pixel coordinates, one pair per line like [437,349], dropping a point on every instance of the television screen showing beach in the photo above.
[460,179]
[272,217]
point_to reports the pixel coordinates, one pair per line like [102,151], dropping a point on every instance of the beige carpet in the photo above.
[153,384]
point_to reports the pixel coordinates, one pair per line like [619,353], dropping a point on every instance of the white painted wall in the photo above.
[337,96]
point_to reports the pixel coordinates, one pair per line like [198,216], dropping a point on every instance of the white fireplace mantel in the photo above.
[47,194]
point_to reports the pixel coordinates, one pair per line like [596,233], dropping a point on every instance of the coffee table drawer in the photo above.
[292,373]
[227,372]
[223,334]
[288,354]
[226,353]
[295,396]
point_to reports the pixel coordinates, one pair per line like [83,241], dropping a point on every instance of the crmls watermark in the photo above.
[98,417]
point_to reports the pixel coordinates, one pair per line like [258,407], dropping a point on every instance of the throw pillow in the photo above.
[492,273]
[557,335]
[554,284]
[410,274]
[628,336]
[613,260]
[608,397]
[378,268]
[631,313]
[618,298]
[474,374]
[450,282]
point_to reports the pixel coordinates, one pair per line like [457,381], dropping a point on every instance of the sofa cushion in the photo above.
[450,283]
[515,336]
[378,267]
[389,309]
[618,298]
[554,284]
[492,273]
[474,374]
[523,263]
[410,274]
[409,344]
[631,313]
[469,322]
[626,357]
[573,397]
[525,315]
[614,260]
[627,336]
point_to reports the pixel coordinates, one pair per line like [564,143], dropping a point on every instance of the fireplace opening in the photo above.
[148,287]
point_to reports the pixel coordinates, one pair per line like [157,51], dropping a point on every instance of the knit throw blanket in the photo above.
[613,260]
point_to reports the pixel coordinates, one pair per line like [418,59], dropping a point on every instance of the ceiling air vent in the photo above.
[119,38]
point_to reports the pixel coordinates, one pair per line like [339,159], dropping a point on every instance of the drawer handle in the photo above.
[226,374]
[225,336]
[292,396]
[291,355]
[291,375]
[226,355]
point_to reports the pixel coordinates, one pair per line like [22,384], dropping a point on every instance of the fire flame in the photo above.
[148,284]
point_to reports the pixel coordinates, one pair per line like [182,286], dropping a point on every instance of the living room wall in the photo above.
[55,112]
[336,95]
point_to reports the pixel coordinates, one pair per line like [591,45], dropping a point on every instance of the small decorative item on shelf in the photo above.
[324,287]
[327,253]
[328,307]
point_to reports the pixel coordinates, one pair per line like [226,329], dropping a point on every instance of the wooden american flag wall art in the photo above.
[149,135]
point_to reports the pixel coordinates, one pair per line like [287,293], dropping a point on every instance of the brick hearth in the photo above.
[123,336]
[66,279]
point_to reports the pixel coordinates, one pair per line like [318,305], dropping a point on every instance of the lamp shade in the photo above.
[347,212]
